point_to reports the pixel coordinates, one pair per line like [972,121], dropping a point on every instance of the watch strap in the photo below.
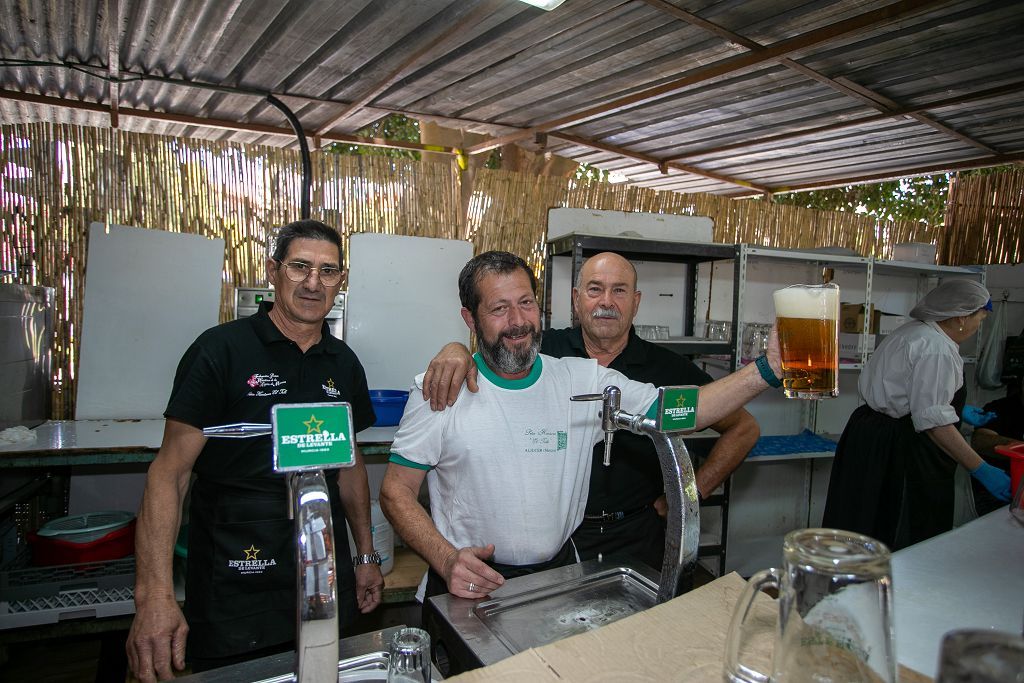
[367,558]
[767,374]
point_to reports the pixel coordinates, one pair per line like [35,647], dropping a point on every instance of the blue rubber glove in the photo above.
[994,479]
[976,417]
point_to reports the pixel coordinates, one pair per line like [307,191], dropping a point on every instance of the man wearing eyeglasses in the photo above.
[240,585]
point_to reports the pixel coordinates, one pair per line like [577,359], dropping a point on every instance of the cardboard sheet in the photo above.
[682,640]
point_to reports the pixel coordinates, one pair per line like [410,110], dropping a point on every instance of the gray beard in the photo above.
[498,357]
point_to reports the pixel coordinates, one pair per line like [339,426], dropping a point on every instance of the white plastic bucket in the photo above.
[383,538]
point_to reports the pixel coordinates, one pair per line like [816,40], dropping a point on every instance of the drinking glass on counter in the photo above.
[808,324]
[981,656]
[409,657]
[835,620]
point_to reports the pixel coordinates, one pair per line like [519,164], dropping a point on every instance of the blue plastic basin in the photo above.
[388,404]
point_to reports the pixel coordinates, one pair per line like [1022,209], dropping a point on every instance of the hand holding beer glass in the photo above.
[808,325]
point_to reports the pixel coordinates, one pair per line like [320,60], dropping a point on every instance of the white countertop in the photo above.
[971,577]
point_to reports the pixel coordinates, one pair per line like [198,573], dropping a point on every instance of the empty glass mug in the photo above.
[834,612]
[409,657]
[808,322]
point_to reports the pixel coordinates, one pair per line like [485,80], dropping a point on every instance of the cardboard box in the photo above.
[851,345]
[917,252]
[888,323]
[851,318]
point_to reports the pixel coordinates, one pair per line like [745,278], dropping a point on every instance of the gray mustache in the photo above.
[605,313]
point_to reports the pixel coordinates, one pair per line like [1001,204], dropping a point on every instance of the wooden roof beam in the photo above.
[221,124]
[660,163]
[981,162]
[841,84]
[722,67]
[1015,87]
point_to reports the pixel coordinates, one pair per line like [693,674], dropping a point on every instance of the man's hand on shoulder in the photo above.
[156,641]
[468,575]
[443,380]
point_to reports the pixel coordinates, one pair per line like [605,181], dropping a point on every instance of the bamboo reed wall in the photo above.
[509,211]
[984,219]
[57,179]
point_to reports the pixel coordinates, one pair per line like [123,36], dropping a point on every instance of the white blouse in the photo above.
[915,370]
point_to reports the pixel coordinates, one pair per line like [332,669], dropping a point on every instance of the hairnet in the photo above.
[951,299]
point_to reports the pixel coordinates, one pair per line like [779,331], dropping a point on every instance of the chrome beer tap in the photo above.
[682,533]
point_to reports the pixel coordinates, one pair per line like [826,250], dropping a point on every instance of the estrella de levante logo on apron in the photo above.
[252,563]
[312,436]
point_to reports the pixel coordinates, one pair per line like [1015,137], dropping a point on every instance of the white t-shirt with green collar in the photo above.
[510,464]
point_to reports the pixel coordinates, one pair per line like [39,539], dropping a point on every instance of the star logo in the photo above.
[313,425]
[680,402]
[330,383]
[251,552]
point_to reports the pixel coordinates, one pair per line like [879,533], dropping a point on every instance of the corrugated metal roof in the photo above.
[708,96]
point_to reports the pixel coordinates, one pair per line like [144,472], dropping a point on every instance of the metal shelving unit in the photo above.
[578,247]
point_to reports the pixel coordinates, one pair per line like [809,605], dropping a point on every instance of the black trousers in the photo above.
[639,536]
[889,482]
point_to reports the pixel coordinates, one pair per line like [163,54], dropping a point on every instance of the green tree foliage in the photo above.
[392,127]
[921,198]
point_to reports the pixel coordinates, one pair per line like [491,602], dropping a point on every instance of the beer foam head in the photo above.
[805,301]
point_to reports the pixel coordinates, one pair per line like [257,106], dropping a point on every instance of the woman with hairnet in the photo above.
[894,476]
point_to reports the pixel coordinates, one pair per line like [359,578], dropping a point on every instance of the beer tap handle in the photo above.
[612,400]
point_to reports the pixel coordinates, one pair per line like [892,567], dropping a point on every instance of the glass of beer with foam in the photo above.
[808,323]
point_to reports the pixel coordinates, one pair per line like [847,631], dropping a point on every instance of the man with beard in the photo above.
[509,465]
[626,505]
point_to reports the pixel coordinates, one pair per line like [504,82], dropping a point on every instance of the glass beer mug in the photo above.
[807,317]
[834,613]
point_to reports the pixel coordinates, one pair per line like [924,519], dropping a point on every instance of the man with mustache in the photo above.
[509,465]
[626,504]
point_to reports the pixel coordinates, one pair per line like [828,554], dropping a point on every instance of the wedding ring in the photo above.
[472,587]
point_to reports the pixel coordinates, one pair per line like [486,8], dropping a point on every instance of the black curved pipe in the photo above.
[307,165]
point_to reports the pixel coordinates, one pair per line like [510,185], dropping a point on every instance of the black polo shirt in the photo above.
[633,480]
[236,372]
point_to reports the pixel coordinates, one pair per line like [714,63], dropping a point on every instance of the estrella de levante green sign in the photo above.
[677,408]
[312,436]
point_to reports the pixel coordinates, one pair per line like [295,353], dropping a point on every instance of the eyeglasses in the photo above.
[297,271]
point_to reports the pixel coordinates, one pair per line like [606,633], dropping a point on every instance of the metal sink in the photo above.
[361,658]
[368,667]
[541,608]
[543,615]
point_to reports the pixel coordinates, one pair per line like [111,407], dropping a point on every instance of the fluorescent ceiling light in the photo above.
[544,4]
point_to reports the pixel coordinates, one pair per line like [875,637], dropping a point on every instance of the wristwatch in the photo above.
[371,558]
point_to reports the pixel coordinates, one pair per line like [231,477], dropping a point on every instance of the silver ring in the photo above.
[472,587]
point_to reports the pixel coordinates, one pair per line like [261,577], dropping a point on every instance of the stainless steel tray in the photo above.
[547,614]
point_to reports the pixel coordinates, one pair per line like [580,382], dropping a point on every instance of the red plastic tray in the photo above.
[50,551]
[1016,455]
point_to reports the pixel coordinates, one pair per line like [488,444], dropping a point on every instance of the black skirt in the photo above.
[889,481]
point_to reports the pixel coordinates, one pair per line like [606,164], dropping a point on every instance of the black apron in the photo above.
[241,582]
[889,481]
